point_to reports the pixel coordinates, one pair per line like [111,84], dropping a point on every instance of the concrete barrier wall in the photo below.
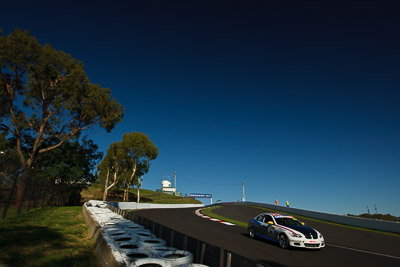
[135,206]
[107,256]
[386,226]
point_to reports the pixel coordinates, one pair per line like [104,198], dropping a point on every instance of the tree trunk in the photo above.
[140,181]
[106,186]
[26,166]
[114,183]
[126,195]
[21,188]
[126,190]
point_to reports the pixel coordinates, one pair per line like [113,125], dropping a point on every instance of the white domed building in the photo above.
[167,188]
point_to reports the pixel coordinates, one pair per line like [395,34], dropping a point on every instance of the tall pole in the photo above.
[244,198]
[175,179]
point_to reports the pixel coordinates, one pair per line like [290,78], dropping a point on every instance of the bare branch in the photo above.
[7,128]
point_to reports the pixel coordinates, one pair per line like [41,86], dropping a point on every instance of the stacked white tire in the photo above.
[137,245]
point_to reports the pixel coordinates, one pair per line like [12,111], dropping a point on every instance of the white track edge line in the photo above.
[364,251]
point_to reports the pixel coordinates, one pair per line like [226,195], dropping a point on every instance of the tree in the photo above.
[46,95]
[69,168]
[139,151]
[111,166]
[126,162]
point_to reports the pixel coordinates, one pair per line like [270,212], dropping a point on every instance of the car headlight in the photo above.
[295,235]
[320,236]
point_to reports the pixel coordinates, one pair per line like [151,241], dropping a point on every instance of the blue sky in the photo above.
[300,101]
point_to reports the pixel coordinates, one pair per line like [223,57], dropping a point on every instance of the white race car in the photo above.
[286,230]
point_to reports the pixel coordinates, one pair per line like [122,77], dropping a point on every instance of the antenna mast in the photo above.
[175,179]
[244,198]
[376,209]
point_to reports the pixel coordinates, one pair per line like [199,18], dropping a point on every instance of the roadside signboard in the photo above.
[198,195]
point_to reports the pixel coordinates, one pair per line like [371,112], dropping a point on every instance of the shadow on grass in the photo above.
[25,245]
[83,258]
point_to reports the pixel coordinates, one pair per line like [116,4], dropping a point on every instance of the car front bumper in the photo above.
[308,243]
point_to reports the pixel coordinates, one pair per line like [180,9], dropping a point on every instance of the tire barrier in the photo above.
[149,262]
[144,234]
[133,255]
[123,238]
[134,227]
[160,249]
[110,224]
[125,245]
[115,232]
[148,243]
[129,243]
[204,254]
[177,257]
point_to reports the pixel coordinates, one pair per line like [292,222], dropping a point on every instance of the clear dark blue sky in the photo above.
[298,100]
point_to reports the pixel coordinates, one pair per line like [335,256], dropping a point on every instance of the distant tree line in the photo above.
[383,217]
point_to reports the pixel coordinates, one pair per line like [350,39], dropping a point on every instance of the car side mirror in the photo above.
[302,223]
[271,222]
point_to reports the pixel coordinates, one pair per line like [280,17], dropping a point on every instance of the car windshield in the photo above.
[288,221]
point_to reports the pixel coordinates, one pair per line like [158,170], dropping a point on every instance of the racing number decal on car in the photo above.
[270,231]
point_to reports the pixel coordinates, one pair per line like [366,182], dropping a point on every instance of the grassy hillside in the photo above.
[146,196]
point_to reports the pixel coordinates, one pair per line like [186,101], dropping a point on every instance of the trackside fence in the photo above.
[385,226]
[203,253]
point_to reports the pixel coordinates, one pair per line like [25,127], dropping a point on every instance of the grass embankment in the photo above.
[208,212]
[55,236]
[146,196]
[59,236]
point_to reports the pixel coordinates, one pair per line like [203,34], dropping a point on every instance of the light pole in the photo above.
[244,198]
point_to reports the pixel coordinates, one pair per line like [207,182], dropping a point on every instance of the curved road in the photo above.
[345,246]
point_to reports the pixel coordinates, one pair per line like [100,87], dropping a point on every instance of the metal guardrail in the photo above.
[385,226]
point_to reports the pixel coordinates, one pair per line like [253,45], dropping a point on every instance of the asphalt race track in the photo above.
[344,246]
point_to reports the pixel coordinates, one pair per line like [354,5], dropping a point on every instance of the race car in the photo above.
[286,230]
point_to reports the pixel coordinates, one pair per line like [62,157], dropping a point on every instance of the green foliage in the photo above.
[138,151]
[54,88]
[127,160]
[71,163]
[58,100]
[47,99]
[112,163]
[68,169]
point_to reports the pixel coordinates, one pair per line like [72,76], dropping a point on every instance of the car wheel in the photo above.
[283,241]
[252,232]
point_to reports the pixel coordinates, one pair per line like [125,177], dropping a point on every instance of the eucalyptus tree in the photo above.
[111,169]
[45,95]
[139,151]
